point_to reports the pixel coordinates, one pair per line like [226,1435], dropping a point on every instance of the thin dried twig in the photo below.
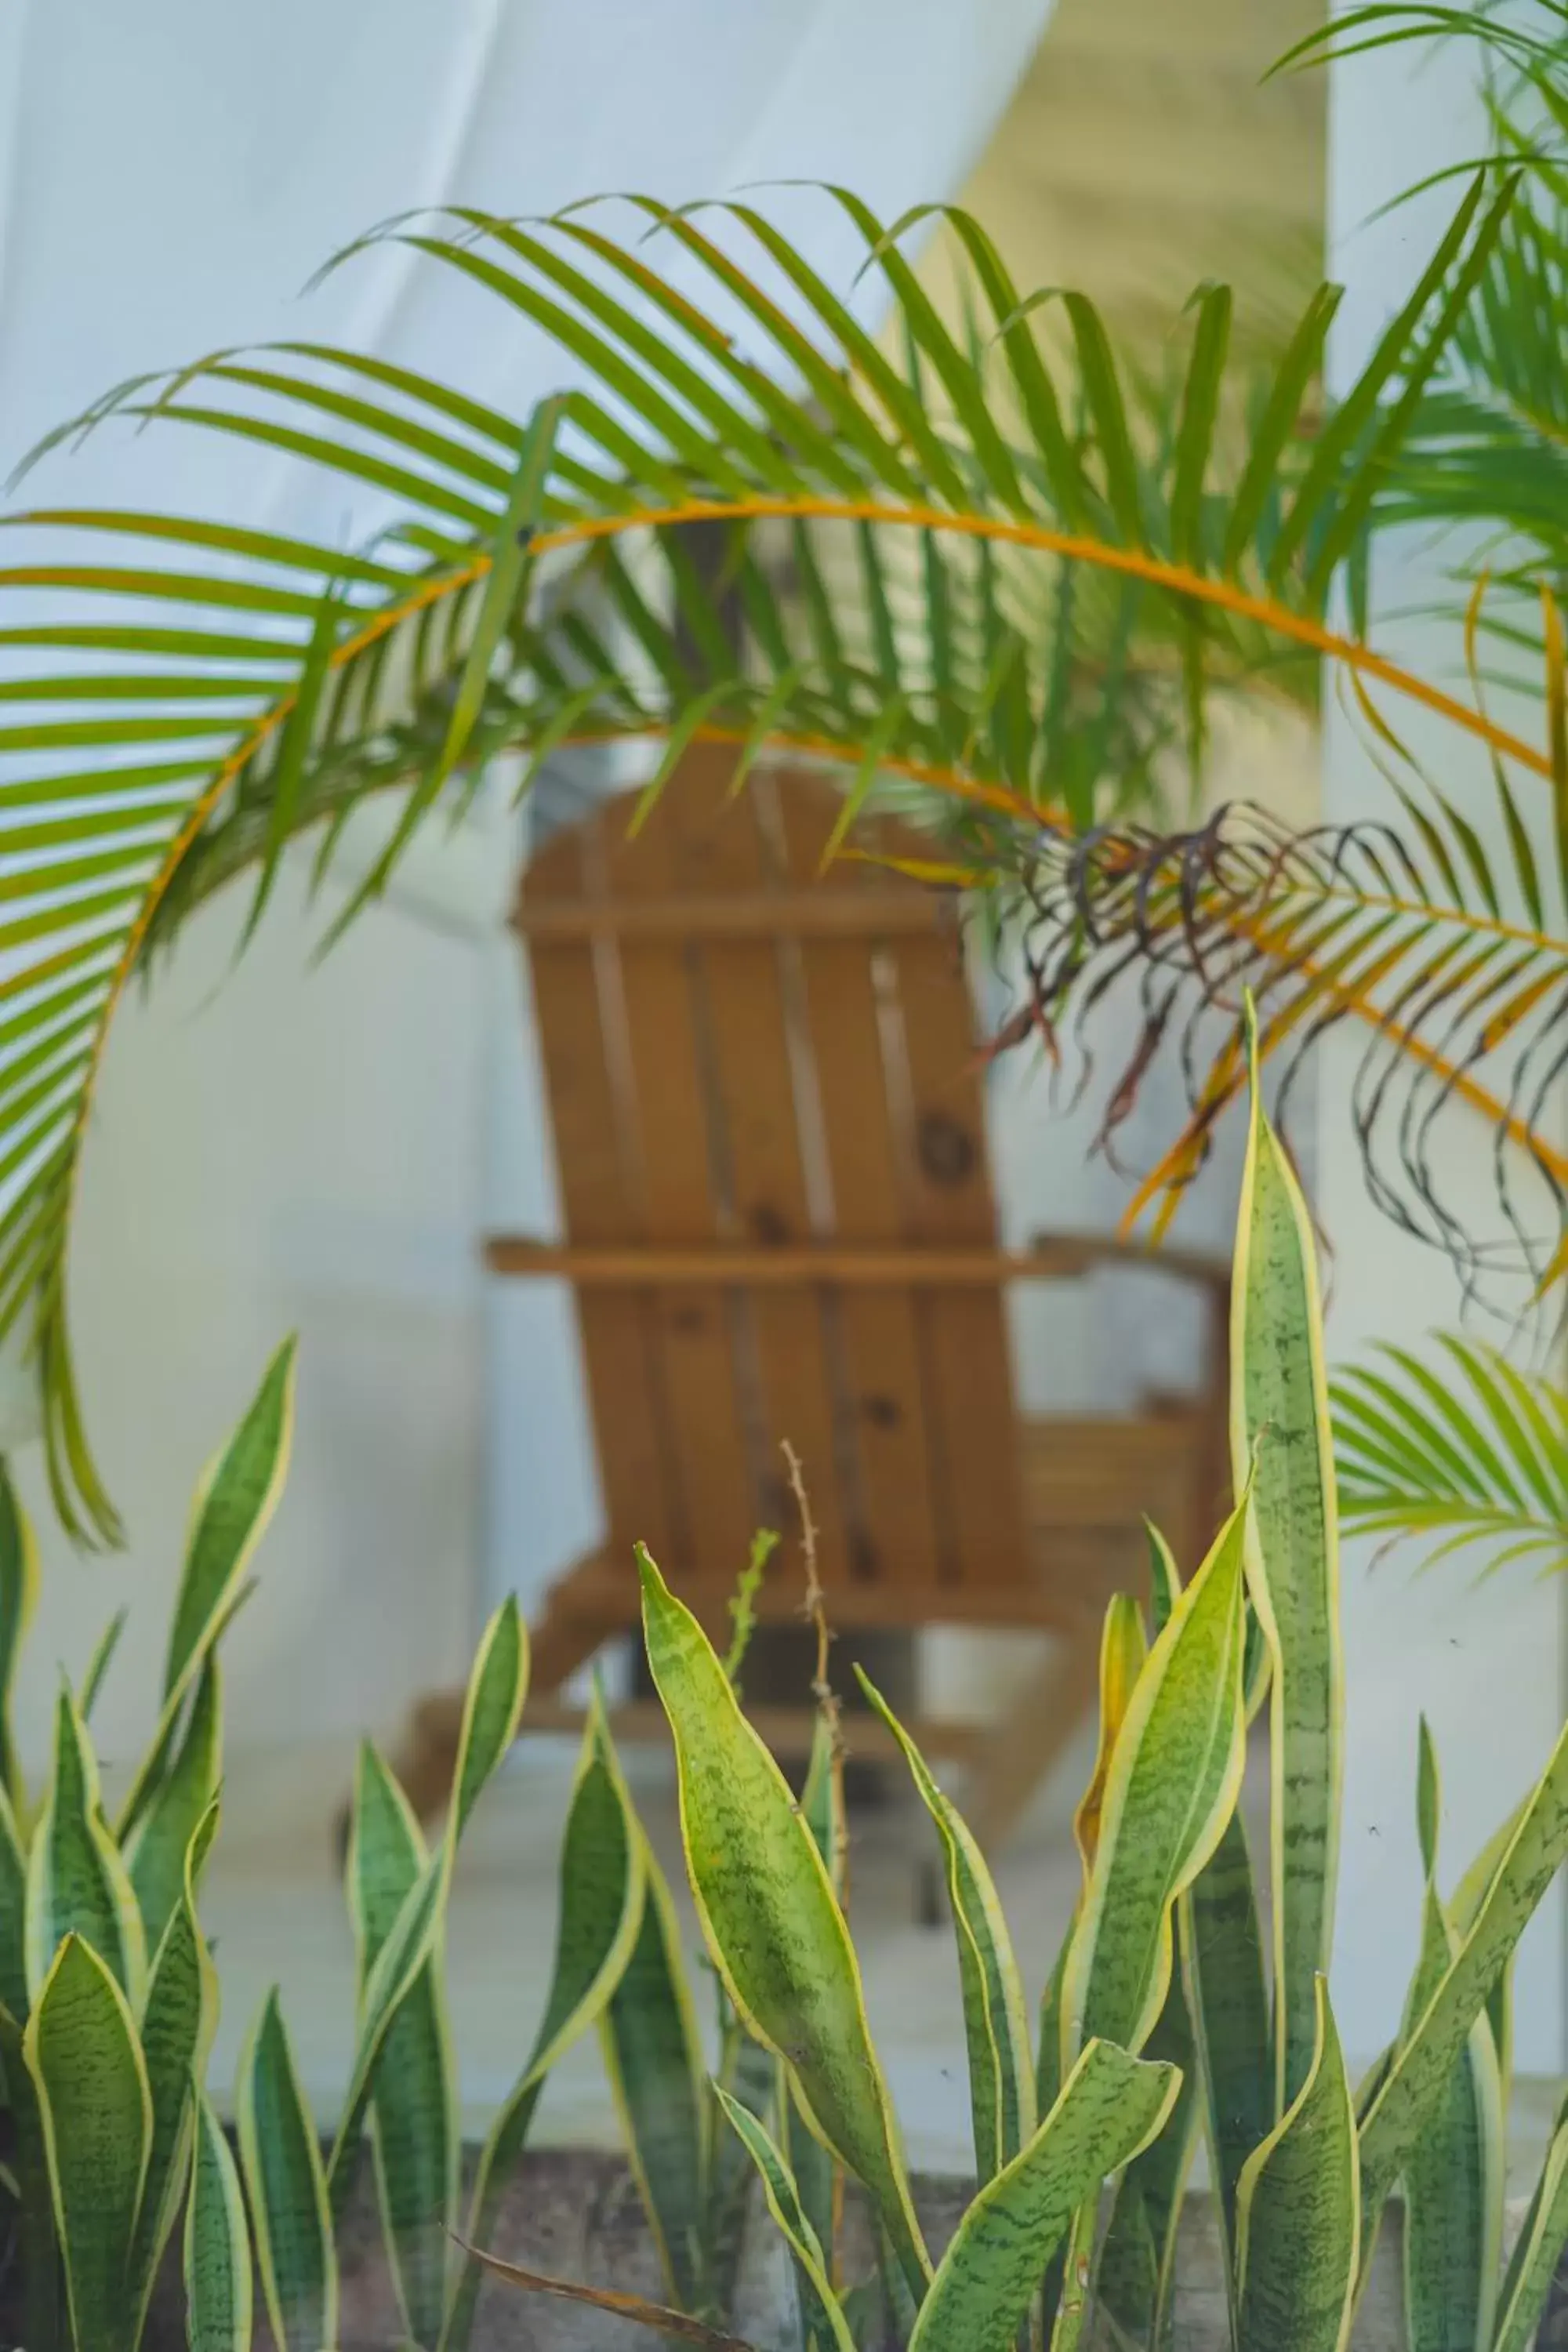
[812,1607]
[634,2307]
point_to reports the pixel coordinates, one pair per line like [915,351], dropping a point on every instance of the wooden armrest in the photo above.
[1074,1253]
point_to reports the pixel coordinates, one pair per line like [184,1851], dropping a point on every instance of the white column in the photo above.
[1485,1662]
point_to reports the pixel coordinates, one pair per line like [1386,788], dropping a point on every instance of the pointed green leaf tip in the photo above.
[996,2031]
[1170,1791]
[1280,1435]
[77,1882]
[768,1914]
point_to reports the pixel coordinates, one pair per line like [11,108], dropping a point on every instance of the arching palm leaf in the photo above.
[953,568]
[1465,1450]
[1488,443]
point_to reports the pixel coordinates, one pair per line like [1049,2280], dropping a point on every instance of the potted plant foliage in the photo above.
[1174,2013]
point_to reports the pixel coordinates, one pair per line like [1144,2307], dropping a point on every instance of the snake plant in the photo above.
[1176,2007]
[109,1997]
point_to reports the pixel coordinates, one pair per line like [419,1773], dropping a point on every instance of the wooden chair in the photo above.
[768,1119]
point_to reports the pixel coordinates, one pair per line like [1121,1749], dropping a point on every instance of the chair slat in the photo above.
[620,1343]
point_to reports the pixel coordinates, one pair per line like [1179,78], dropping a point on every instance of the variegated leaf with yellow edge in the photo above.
[1123,1647]
[1172,1783]
[1281,1438]
[77,1882]
[1298,2212]
[996,2021]
[770,1917]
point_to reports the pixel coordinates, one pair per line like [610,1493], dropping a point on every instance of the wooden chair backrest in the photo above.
[737,1052]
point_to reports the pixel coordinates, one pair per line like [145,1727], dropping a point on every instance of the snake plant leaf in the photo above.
[14,1994]
[1173,1784]
[822,1800]
[234,1499]
[1464,1904]
[1112,2105]
[770,1917]
[1453,2173]
[176,2031]
[83,2056]
[995,2021]
[602,1896]
[217,2270]
[1164,1578]
[36,2246]
[1533,1853]
[1137,2259]
[98,1665]
[748,2071]
[1048,2064]
[290,2219]
[498,1685]
[1538,2249]
[1428,1802]
[1372,2080]
[416,2146]
[492,1707]
[159,1842]
[19,1597]
[818,2175]
[235,1496]
[1127,2270]
[413,2114]
[1123,1649]
[77,1882]
[385,1856]
[653,2057]
[823,2328]
[1227,2004]
[1299,2212]
[1454,2177]
[399,1964]
[1279,1414]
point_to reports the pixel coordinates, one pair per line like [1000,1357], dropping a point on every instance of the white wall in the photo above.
[1485,1662]
[311,1150]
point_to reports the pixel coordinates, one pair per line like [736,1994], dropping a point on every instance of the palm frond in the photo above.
[1488,449]
[1467,1451]
[1021,594]
[1407,938]
[1487,445]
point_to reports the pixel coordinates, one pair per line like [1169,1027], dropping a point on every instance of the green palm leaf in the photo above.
[1408,938]
[1021,613]
[1467,1450]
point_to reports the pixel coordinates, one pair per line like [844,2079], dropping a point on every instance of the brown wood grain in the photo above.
[662,1087]
[770,1128]
[885,1428]
[619,1342]
[964,1337]
[742,1013]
